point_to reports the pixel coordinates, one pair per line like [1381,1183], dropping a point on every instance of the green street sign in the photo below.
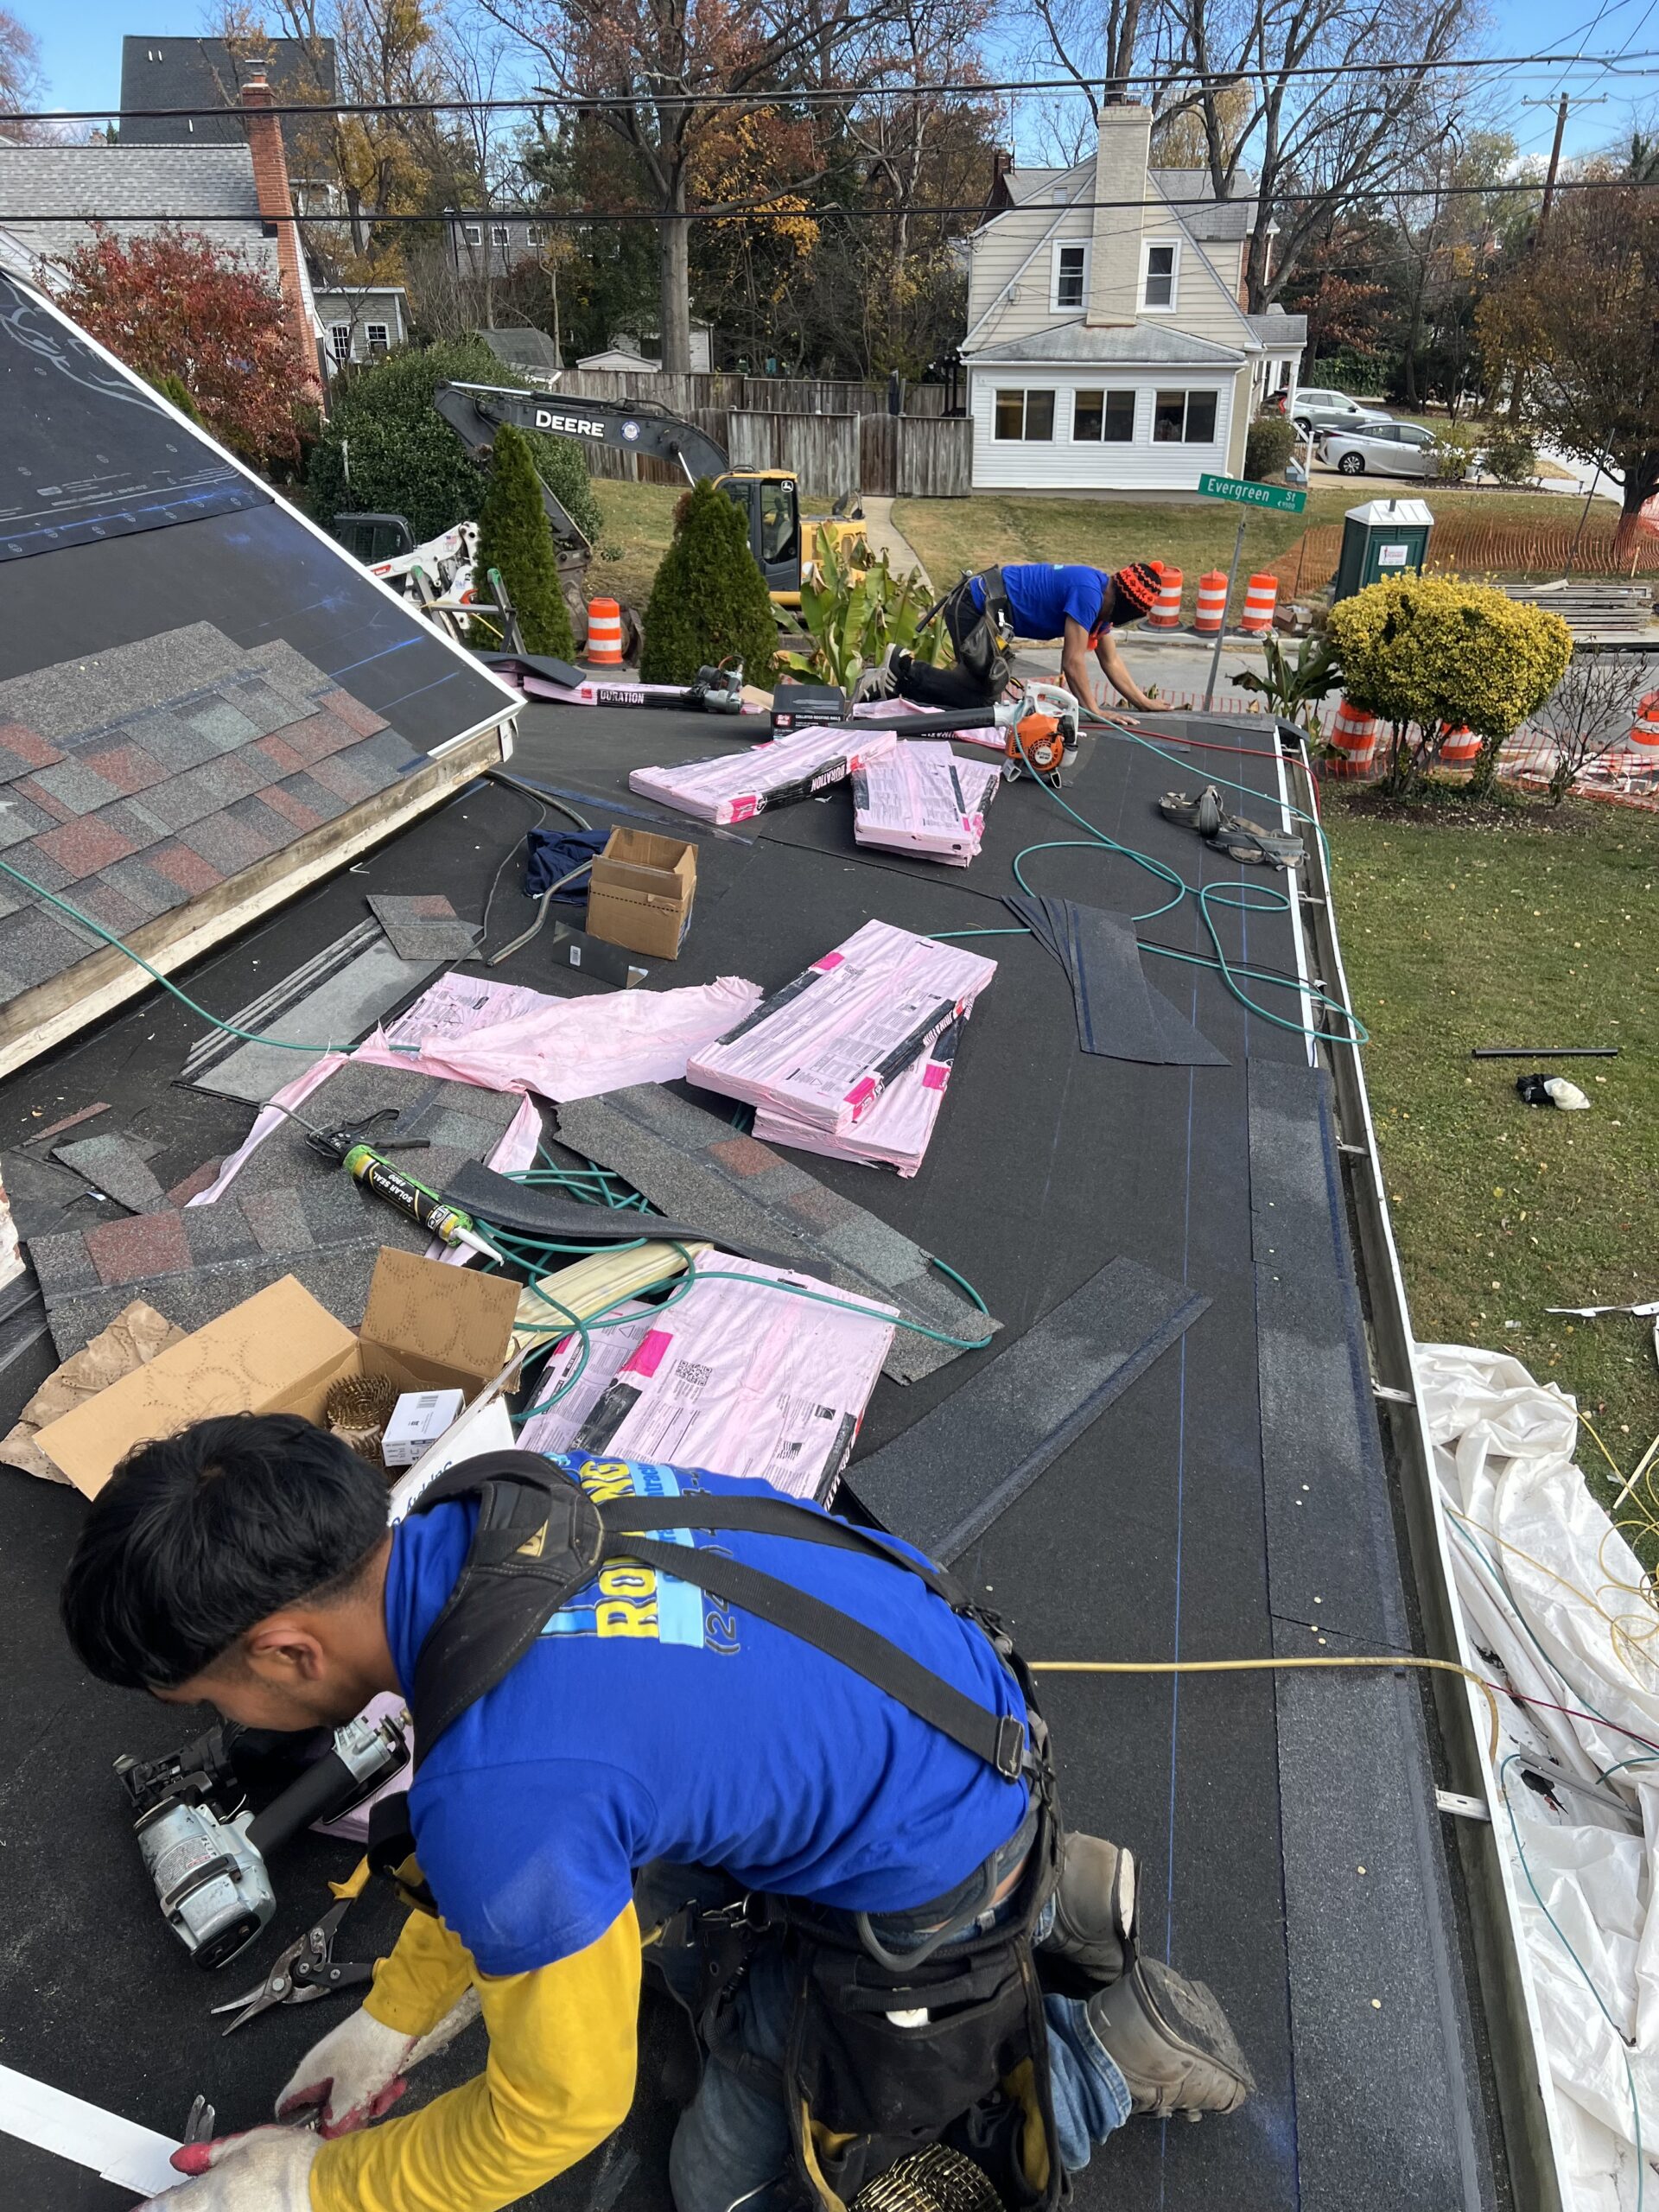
[1278,496]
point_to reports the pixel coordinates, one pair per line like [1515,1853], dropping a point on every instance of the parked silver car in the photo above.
[1316,409]
[1380,449]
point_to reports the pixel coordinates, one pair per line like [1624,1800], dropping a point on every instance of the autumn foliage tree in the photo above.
[169,303]
[1577,317]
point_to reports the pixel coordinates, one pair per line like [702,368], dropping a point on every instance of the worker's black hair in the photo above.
[196,1537]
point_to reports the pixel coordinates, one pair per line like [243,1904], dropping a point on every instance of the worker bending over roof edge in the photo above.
[657,1753]
[1081,608]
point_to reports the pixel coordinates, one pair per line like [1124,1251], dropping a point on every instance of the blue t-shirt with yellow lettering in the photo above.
[649,1721]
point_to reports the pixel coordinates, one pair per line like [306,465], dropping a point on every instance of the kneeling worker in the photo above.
[1081,608]
[620,1736]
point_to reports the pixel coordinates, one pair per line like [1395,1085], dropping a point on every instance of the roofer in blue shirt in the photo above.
[665,1721]
[1080,608]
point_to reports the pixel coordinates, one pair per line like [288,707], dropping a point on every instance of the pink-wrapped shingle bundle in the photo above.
[736,786]
[921,799]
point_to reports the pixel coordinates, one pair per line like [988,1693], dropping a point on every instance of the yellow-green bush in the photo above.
[1434,651]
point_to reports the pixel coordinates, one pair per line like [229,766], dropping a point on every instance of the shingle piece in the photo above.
[222,725]
[218,1232]
[679,1157]
[425,928]
[186,872]
[18,742]
[293,811]
[114,1164]
[261,704]
[113,908]
[222,841]
[84,847]
[199,1179]
[19,818]
[76,786]
[337,775]
[184,798]
[27,791]
[140,881]
[278,1219]
[70,701]
[315,797]
[129,768]
[170,739]
[362,719]
[61,1263]
[146,1244]
[274,831]
[36,945]
[132,819]
[318,736]
[44,872]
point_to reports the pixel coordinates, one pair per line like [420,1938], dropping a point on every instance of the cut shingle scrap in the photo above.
[691,1167]
[425,927]
[114,1165]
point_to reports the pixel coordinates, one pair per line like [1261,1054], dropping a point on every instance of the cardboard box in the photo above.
[427,1327]
[418,1420]
[640,891]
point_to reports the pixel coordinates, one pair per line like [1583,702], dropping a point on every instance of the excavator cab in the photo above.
[771,503]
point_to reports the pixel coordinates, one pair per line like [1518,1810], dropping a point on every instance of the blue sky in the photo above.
[80,53]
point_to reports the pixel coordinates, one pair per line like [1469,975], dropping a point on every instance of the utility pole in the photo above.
[1555,161]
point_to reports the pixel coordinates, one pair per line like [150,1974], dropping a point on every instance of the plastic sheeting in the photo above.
[1553,1592]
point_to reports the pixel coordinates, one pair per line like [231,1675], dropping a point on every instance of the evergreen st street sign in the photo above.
[1279,496]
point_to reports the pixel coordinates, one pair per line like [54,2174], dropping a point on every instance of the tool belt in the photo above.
[861,2087]
[981,636]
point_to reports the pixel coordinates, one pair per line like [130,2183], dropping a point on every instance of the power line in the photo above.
[574,217]
[827,95]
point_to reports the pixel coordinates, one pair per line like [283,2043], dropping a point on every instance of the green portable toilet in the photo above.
[1383,538]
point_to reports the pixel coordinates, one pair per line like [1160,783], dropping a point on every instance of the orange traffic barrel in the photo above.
[1459,748]
[1166,608]
[1261,597]
[1645,730]
[1212,603]
[604,647]
[1353,742]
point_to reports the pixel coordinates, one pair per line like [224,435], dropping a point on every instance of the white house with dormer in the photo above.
[1107,348]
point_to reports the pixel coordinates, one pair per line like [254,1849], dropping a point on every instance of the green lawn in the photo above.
[638,523]
[952,535]
[1532,927]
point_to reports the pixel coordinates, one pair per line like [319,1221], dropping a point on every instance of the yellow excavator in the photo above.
[769,498]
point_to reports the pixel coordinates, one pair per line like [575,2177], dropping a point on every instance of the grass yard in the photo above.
[638,523]
[952,535]
[1524,927]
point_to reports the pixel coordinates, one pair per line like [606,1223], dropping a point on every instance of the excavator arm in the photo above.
[476,411]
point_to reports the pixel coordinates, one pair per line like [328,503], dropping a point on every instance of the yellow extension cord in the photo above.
[1393,1662]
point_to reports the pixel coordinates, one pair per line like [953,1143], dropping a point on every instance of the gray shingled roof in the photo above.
[1138,344]
[1027,185]
[522,349]
[1278,328]
[203,73]
[1219,219]
[50,195]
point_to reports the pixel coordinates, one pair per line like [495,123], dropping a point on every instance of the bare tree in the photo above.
[1302,145]
[1590,714]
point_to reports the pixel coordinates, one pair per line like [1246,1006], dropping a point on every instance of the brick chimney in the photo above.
[275,203]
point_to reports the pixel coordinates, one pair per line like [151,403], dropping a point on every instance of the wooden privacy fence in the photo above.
[684,395]
[924,457]
[1472,547]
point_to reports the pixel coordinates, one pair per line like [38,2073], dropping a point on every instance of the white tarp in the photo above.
[1550,1587]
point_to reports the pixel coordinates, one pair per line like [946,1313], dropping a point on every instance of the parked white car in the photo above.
[1380,449]
[1316,409]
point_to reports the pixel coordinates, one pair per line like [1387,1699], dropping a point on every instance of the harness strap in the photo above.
[998,1739]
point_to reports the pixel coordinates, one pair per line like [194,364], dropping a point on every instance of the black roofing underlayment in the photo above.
[1175,1525]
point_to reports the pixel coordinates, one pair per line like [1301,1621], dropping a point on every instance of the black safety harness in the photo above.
[981,636]
[540,1539]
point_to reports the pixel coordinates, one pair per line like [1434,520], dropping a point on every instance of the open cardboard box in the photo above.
[640,891]
[427,1326]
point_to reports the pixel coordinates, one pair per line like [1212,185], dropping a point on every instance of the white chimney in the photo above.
[1120,192]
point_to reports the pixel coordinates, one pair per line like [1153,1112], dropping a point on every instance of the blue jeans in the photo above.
[732,2143]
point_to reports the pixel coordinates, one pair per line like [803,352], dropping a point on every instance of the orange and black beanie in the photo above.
[1138,586]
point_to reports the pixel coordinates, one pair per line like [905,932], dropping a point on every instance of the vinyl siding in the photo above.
[1061,465]
[995,264]
[1205,303]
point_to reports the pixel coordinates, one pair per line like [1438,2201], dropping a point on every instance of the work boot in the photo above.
[1170,2040]
[1093,1906]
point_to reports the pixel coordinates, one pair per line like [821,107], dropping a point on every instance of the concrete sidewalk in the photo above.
[885,538]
